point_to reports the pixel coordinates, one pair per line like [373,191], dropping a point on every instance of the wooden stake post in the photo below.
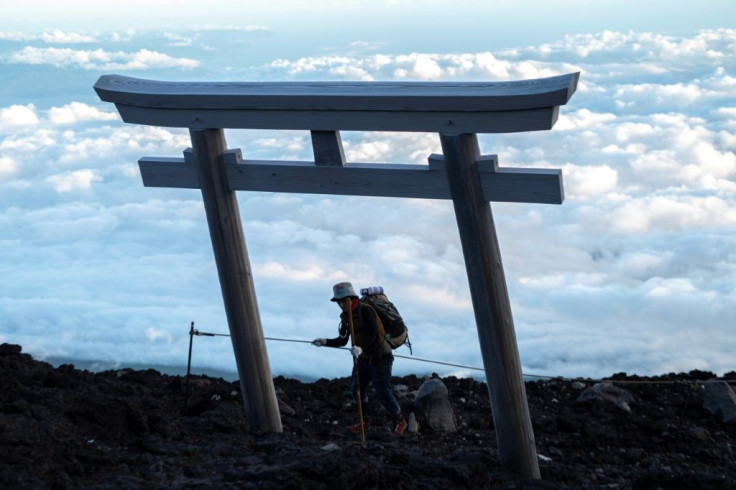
[456,111]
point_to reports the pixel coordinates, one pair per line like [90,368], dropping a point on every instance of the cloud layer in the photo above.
[632,273]
[99,59]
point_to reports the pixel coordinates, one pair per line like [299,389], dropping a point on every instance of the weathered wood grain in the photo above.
[432,122]
[327,147]
[476,107]
[491,305]
[236,281]
[340,96]
[542,186]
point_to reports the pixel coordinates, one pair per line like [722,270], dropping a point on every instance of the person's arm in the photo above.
[340,341]
[337,341]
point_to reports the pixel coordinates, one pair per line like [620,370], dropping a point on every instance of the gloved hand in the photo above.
[319,342]
[357,351]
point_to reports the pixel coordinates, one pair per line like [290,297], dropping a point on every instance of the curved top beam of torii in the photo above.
[442,107]
[326,108]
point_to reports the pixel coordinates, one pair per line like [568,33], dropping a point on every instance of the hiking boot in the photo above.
[355,428]
[400,426]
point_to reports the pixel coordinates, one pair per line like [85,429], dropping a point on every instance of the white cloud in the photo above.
[643,264]
[8,166]
[583,119]
[278,271]
[99,59]
[154,334]
[41,138]
[79,112]
[178,40]
[709,45]
[17,117]
[726,112]
[234,27]
[123,36]
[667,95]
[123,140]
[661,288]
[589,182]
[77,179]
[381,147]
[672,213]
[421,66]
[60,37]
[432,295]
[56,36]
[367,45]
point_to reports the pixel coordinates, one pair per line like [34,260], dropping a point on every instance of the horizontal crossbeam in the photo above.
[458,107]
[499,184]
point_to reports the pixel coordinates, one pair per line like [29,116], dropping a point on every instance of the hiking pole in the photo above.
[355,371]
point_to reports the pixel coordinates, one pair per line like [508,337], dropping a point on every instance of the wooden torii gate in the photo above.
[457,111]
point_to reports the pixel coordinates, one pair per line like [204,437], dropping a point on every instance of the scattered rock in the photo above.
[720,400]
[699,433]
[411,424]
[433,399]
[285,409]
[609,393]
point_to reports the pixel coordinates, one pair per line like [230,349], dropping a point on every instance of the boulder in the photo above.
[578,385]
[285,409]
[720,400]
[433,400]
[608,393]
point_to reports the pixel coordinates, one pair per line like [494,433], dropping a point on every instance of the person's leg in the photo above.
[381,375]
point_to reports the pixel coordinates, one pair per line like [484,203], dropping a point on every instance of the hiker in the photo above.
[373,354]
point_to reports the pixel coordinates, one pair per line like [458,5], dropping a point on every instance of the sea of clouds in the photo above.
[633,272]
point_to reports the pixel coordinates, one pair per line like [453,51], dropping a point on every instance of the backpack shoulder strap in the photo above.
[379,324]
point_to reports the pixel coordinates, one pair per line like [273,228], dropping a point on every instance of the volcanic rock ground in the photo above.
[62,428]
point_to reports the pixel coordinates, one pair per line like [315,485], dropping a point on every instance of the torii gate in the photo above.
[457,111]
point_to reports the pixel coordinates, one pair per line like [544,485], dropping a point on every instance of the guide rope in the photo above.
[537,376]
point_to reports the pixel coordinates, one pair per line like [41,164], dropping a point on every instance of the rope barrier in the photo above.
[539,376]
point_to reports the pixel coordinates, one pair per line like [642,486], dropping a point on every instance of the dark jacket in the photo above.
[366,334]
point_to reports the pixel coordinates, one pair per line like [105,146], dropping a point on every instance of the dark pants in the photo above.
[378,372]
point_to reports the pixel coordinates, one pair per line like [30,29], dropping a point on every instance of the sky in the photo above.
[632,273]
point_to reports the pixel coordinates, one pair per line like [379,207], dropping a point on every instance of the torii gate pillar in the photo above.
[236,281]
[491,305]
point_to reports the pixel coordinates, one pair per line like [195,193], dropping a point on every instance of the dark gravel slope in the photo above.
[66,428]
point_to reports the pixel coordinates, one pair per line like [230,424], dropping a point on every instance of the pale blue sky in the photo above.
[634,272]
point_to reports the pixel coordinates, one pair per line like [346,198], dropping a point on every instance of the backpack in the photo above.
[390,325]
